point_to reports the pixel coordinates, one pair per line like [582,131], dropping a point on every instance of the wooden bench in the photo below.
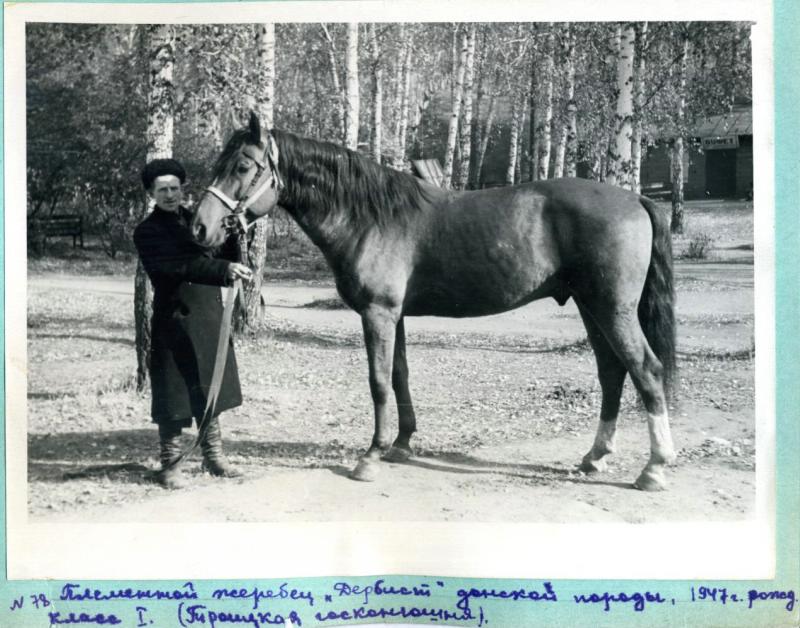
[58,226]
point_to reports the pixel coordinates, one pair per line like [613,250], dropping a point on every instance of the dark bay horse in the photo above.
[401,247]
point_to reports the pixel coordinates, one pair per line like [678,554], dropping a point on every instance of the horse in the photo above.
[399,246]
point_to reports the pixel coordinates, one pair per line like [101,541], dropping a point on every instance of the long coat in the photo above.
[187,313]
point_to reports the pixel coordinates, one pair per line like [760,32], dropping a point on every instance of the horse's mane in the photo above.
[323,178]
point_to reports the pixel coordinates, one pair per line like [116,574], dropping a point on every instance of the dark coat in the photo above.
[187,313]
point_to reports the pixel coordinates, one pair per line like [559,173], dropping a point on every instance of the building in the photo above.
[718,160]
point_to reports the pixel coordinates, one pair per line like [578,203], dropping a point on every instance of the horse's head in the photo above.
[246,185]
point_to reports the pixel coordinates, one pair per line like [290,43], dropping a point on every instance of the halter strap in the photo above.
[227,200]
[238,208]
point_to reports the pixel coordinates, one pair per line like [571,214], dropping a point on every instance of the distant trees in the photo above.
[492,102]
[574,102]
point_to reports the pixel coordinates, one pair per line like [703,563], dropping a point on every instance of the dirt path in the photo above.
[524,481]
[505,416]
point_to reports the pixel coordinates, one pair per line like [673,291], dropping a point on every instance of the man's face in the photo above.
[167,193]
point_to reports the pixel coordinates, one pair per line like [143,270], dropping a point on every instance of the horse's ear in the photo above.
[255,128]
[273,149]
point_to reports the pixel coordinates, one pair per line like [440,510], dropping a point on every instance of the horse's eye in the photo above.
[243,169]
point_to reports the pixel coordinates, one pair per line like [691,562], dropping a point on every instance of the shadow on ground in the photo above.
[130,456]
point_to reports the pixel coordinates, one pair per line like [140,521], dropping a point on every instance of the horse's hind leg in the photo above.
[611,373]
[620,326]
[401,448]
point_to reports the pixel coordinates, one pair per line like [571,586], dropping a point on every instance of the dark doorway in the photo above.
[721,173]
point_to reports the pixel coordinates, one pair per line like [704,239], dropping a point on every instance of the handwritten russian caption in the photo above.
[284,604]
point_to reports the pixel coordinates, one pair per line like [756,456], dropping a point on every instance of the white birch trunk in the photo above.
[513,144]
[251,314]
[519,166]
[339,109]
[161,93]
[569,138]
[452,130]
[376,134]
[405,94]
[545,120]
[677,146]
[352,104]
[466,110]
[159,136]
[638,117]
[265,96]
[619,158]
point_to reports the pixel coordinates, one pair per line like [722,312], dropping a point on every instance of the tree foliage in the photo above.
[87,99]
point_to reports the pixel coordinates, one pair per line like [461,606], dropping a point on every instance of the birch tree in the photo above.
[257,245]
[376,122]
[566,152]
[619,157]
[677,144]
[466,110]
[352,103]
[513,144]
[404,95]
[638,109]
[339,97]
[545,119]
[455,114]
[160,125]
[533,114]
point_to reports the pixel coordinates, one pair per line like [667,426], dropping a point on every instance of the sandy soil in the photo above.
[507,406]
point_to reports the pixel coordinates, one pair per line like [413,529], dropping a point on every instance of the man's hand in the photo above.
[238,271]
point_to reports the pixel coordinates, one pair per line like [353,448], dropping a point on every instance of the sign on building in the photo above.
[719,143]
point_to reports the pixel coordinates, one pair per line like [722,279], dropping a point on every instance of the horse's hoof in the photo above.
[589,466]
[650,481]
[397,454]
[365,471]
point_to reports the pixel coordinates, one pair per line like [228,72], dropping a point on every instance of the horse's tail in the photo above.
[657,306]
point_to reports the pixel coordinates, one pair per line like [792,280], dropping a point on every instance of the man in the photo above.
[187,312]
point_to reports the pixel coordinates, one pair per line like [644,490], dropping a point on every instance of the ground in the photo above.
[507,406]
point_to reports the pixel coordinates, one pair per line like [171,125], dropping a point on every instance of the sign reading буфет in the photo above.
[728,141]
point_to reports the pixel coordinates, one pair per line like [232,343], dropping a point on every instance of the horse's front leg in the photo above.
[379,335]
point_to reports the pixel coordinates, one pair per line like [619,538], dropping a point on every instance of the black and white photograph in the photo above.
[368,271]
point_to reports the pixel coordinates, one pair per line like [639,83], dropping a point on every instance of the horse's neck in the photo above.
[330,232]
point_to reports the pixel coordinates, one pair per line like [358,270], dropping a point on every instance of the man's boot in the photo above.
[170,477]
[214,461]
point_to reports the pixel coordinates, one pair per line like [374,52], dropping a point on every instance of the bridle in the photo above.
[235,223]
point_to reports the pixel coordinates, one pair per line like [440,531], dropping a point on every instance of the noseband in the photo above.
[236,221]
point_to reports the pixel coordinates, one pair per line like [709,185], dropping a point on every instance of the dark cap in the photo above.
[159,168]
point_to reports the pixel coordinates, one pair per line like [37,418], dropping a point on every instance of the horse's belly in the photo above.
[479,296]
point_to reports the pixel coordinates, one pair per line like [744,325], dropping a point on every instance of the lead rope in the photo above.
[221,356]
